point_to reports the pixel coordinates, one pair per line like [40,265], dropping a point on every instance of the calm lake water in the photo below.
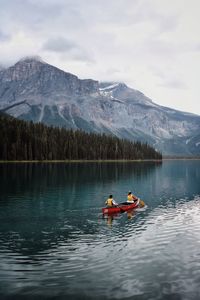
[55,243]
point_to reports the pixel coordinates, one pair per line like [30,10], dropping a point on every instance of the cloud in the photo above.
[59,44]
[196,47]
[4,37]
[151,45]
[27,15]
[169,78]
[67,48]
[174,84]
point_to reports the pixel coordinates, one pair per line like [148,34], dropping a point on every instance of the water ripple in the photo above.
[148,254]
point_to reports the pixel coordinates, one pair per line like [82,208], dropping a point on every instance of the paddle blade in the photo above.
[141,204]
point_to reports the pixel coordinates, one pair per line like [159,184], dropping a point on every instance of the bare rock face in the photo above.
[35,90]
[31,76]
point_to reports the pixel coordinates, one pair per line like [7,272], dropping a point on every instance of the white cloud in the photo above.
[4,37]
[59,44]
[154,46]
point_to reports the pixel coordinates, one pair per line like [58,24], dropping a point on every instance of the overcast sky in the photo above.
[151,45]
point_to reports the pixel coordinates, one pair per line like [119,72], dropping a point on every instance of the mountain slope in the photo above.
[35,90]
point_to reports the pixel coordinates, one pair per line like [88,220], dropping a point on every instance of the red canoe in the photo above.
[120,207]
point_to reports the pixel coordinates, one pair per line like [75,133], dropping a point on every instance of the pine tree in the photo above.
[21,140]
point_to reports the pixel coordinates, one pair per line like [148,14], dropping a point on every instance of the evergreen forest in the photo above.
[22,140]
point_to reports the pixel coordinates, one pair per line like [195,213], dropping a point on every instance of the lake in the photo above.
[56,244]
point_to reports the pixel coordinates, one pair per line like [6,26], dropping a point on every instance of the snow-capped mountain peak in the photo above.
[35,90]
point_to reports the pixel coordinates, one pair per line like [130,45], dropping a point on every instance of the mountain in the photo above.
[35,90]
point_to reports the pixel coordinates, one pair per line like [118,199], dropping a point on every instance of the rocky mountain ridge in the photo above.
[35,90]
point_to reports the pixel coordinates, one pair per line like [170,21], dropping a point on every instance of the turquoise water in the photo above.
[55,243]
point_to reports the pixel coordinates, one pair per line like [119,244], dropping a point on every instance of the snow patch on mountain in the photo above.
[41,113]
[112,86]
[188,140]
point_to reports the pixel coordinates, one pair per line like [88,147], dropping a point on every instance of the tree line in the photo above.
[22,140]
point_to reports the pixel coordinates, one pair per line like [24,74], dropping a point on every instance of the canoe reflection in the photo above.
[111,217]
[130,213]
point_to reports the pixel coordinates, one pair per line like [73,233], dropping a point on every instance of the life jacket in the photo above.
[130,198]
[109,202]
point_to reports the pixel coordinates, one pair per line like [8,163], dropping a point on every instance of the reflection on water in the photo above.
[109,218]
[38,199]
[40,177]
[55,243]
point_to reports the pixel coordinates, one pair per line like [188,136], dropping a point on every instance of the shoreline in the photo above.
[95,161]
[80,161]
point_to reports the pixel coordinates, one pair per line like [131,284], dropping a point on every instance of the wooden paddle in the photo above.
[141,203]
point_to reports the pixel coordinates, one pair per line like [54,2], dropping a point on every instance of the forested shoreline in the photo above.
[23,140]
